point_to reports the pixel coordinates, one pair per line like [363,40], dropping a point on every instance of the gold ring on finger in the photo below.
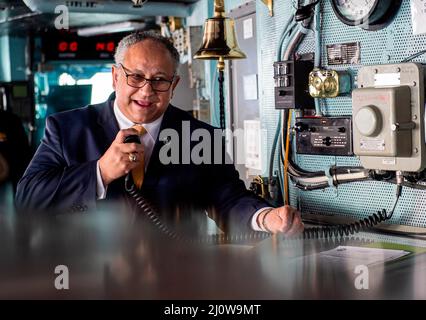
[132,157]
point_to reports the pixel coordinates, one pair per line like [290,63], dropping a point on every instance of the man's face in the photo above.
[150,60]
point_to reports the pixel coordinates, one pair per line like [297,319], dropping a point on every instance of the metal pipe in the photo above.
[20,17]
[295,41]
[337,179]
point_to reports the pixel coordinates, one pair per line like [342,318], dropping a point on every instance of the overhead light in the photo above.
[139,3]
[111,28]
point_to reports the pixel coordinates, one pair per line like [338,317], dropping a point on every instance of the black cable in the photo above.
[414,56]
[299,172]
[311,187]
[309,233]
[147,209]
[346,229]
[324,232]
[221,101]
[274,147]
[403,184]
[293,167]
[352,228]
[281,175]
[414,185]
[397,196]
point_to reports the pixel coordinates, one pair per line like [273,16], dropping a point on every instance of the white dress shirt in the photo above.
[148,141]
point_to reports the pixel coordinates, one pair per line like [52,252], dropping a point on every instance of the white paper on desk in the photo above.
[354,256]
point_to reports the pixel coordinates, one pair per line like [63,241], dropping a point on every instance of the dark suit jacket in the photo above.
[62,173]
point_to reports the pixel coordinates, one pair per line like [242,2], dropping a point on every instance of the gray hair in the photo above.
[140,36]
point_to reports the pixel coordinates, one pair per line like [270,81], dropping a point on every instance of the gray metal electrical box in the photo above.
[388,117]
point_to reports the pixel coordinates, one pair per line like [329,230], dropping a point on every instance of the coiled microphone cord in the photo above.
[352,228]
[323,232]
[147,209]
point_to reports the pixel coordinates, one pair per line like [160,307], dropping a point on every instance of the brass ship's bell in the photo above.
[219,40]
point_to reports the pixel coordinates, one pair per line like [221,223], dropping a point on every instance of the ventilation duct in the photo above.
[109,6]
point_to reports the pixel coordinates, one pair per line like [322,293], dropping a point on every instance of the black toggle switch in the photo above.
[300,127]
[326,141]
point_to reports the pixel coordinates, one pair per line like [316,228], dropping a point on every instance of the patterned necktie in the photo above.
[138,173]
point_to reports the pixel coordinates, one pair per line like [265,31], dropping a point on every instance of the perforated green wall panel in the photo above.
[389,45]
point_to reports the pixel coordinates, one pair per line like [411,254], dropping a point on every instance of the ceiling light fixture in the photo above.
[111,28]
[139,3]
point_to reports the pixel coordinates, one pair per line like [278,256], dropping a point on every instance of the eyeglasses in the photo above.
[137,81]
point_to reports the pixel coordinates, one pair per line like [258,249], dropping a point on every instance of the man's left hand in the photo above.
[284,219]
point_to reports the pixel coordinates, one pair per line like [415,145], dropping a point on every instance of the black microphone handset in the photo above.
[325,232]
[134,138]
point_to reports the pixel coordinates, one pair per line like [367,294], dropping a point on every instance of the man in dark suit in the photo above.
[82,161]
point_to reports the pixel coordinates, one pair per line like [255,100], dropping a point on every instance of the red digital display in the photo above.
[65,46]
[73,47]
[105,46]
[100,46]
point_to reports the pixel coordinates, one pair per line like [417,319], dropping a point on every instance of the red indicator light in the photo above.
[100,46]
[62,46]
[74,46]
[111,46]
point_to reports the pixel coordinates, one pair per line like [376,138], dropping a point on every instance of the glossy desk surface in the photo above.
[111,256]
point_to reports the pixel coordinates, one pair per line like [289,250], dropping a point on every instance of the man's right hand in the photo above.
[115,162]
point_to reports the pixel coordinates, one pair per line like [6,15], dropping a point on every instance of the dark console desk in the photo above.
[110,256]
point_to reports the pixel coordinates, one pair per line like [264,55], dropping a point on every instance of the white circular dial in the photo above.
[355,9]
[368,121]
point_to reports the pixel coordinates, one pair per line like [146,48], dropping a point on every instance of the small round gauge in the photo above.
[367,14]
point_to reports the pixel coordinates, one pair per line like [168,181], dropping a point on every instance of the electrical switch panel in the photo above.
[326,136]
[291,84]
